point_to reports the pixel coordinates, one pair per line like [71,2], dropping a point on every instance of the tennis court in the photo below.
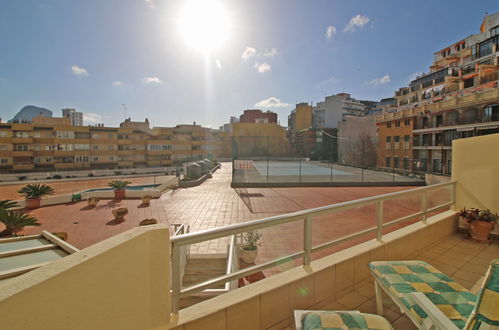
[303,171]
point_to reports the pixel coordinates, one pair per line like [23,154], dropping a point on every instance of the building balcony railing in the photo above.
[180,243]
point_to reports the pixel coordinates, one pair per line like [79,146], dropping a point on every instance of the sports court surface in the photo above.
[287,171]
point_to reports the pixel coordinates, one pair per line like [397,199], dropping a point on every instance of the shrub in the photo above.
[57,176]
[21,177]
[117,172]
[90,174]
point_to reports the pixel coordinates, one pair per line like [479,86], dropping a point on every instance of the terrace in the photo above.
[136,290]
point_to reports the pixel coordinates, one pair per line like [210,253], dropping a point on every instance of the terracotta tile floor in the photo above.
[67,187]
[459,258]
[216,204]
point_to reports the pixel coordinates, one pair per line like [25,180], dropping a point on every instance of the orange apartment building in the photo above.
[458,98]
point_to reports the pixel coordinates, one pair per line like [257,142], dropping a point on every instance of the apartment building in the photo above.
[74,116]
[458,98]
[330,112]
[62,146]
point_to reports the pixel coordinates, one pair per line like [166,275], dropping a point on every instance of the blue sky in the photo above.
[96,55]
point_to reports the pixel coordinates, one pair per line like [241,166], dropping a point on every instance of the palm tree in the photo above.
[36,191]
[7,204]
[15,221]
[118,184]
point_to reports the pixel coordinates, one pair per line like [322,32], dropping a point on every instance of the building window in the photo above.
[397,123]
[396,162]
[389,125]
[4,160]
[96,159]
[406,163]
[95,147]
[407,122]
[388,162]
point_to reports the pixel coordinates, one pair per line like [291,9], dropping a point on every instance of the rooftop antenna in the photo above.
[124,109]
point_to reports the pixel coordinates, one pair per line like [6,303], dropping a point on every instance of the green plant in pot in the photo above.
[34,193]
[479,223]
[249,249]
[14,222]
[119,187]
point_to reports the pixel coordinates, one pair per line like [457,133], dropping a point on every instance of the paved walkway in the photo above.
[215,204]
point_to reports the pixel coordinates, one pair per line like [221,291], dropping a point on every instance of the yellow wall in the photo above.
[475,167]
[259,139]
[120,283]
[303,117]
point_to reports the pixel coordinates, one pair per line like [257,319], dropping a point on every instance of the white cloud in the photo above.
[91,118]
[152,80]
[330,31]
[358,21]
[379,81]
[116,83]
[270,52]
[271,102]
[248,52]
[219,65]
[79,71]
[263,67]
[327,81]
[151,3]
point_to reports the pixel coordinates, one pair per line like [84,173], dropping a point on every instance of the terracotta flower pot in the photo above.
[480,230]
[248,256]
[119,194]
[33,203]
[146,200]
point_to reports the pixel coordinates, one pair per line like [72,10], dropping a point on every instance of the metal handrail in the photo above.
[306,215]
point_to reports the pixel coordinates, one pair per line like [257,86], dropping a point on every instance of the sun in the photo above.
[204,24]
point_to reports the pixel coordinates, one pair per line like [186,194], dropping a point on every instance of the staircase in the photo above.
[199,269]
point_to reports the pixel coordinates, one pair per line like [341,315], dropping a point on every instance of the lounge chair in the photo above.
[431,299]
[308,320]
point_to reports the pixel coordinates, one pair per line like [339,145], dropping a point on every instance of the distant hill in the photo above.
[28,112]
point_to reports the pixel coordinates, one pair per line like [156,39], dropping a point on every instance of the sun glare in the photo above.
[204,24]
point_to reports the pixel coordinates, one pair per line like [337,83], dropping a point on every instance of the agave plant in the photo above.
[118,184]
[15,221]
[7,204]
[36,191]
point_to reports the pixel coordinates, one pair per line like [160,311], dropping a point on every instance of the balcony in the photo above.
[22,153]
[328,272]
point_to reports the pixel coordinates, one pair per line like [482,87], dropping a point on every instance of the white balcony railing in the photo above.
[178,243]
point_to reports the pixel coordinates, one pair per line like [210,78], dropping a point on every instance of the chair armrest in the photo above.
[435,315]
[299,315]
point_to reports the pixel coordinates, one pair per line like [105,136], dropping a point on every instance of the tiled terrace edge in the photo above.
[120,283]
[269,304]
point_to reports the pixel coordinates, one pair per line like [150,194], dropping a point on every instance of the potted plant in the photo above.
[119,187]
[93,201]
[479,223]
[146,200]
[34,193]
[249,249]
[119,213]
[14,222]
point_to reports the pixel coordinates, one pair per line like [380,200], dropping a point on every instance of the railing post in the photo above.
[175,278]
[379,220]
[307,239]
[424,205]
